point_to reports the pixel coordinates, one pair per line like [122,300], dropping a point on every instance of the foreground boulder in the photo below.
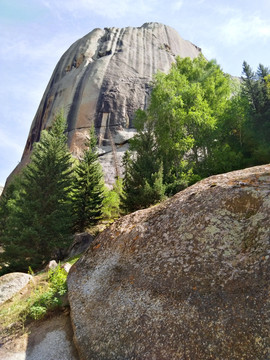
[11,284]
[187,279]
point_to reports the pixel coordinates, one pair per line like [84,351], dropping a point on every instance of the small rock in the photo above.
[66,267]
[52,265]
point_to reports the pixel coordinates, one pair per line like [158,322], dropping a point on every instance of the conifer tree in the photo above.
[255,90]
[39,226]
[88,188]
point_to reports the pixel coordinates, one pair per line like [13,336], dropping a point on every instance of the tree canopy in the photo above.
[199,122]
[39,208]
[88,187]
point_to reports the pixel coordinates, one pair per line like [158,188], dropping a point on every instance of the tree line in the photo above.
[54,197]
[199,122]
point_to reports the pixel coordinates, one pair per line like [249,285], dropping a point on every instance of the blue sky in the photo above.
[35,33]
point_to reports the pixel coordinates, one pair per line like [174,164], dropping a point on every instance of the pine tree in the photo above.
[88,188]
[255,90]
[39,226]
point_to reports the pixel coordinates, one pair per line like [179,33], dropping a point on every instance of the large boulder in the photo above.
[101,80]
[186,279]
[11,284]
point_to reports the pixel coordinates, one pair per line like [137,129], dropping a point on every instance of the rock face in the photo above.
[102,79]
[11,284]
[187,279]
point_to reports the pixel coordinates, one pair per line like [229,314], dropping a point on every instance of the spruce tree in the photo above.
[88,187]
[255,90]
[39,227]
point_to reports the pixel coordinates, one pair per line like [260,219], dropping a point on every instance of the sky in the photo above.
[35,33]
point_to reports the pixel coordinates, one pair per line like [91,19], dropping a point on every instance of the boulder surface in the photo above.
[101,80]
[186,279]
[11,284]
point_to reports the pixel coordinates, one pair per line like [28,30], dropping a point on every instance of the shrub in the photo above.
[51,298]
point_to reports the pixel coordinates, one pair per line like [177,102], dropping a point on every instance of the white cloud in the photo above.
[240,29]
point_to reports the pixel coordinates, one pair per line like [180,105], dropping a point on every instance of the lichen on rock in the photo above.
[186,279]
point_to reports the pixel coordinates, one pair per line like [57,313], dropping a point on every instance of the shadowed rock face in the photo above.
[103,79]
[186,279]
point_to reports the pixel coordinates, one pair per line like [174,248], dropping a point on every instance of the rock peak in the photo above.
[102,79]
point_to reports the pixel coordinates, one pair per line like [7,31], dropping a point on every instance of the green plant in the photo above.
[51,298]
[58,280]
[30,271]
[37,311]
[111,201]
[73,259]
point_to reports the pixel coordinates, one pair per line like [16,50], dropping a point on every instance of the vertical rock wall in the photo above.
[102,79]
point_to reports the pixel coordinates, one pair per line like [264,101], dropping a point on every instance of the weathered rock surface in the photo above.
[187,279]
[11,284]
[102,79]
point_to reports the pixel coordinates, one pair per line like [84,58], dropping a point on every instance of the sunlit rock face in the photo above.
[102,79]
[186,279]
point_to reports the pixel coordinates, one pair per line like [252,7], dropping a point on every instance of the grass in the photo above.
[42,296]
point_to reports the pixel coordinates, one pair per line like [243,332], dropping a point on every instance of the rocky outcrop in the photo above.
[186,279]
[11,284]
[102,79]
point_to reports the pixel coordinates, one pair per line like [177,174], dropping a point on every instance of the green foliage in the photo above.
[41,296]
[185,107]
[51,298]
[111,201]
[255,90]
[88,188]
[37,224]
[200,122]
[8,203]
[177,133]
[143,172]
[73,259]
